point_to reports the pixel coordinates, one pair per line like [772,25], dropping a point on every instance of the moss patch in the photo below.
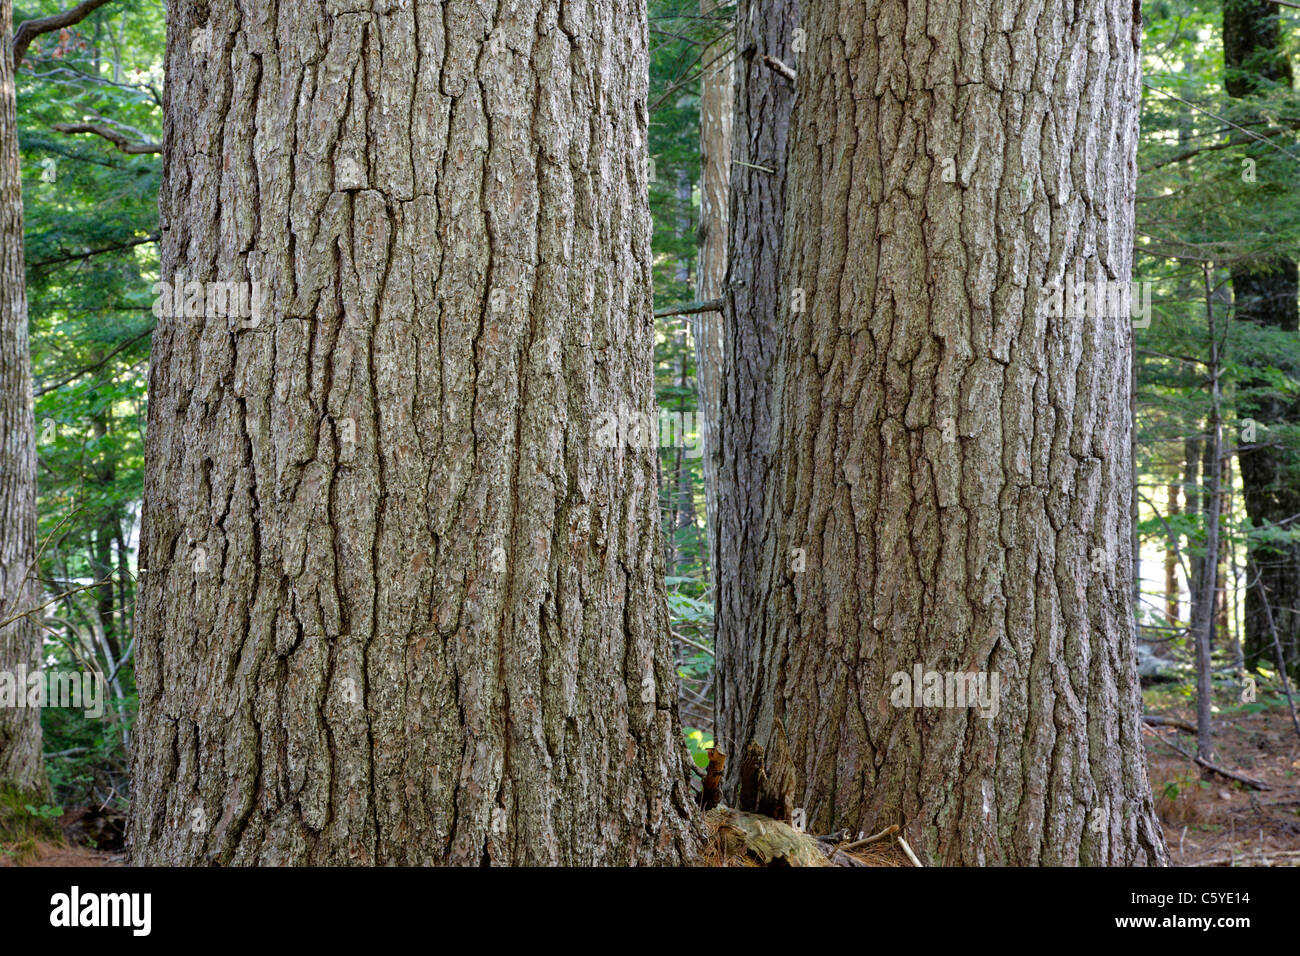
[25,818]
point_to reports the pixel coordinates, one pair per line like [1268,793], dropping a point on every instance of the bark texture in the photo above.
[763,99]
[951,467]
[1266,294]
[21,764]
[403,602]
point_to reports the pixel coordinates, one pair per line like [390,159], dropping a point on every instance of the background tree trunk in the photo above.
[1173,592]
[1208,584]
[763,99]
[21,765]
[716,111]
[403,602]
[951,466]
[1194,484]
[1266,294]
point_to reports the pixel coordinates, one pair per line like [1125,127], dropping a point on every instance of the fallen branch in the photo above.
[1266,859]
[110,134]
[891,829]
[1247,781]
[837,856]
[1155,720]
[907,849]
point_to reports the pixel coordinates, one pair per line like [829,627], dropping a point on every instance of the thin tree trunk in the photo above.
[951,480]
[1222,619]
[1203,625]
[106,531]
[21,765]
[684,520]
[1194,498]
[1173,594]
[1232,577]
[403,601]
[716,111]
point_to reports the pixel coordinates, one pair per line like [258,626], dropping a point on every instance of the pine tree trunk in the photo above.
[403,601]
[763,101]
[1266,294]
[951,471]
[21,765]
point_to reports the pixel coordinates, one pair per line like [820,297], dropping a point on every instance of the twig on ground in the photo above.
[1247,781]
[1155,720]
[892,828]
[907,849]
[1267,859]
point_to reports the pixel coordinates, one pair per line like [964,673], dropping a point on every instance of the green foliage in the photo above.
[89,763]
[91,226]
[45,811]
[698,743]
[24,819]
[1218,190]
[681,43]
[92,223]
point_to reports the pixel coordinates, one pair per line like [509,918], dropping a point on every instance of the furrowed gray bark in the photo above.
[21,764]
[949,487]
[403,604]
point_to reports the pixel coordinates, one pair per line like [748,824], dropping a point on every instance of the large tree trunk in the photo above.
[951,470]
[21,764]
[403,600]
[1266,294]
[763,100]
[716,111]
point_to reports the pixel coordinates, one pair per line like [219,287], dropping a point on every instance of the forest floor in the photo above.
[81,836]
[50,854]
[1210,820]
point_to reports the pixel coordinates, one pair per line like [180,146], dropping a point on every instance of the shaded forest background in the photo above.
[1219,161]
